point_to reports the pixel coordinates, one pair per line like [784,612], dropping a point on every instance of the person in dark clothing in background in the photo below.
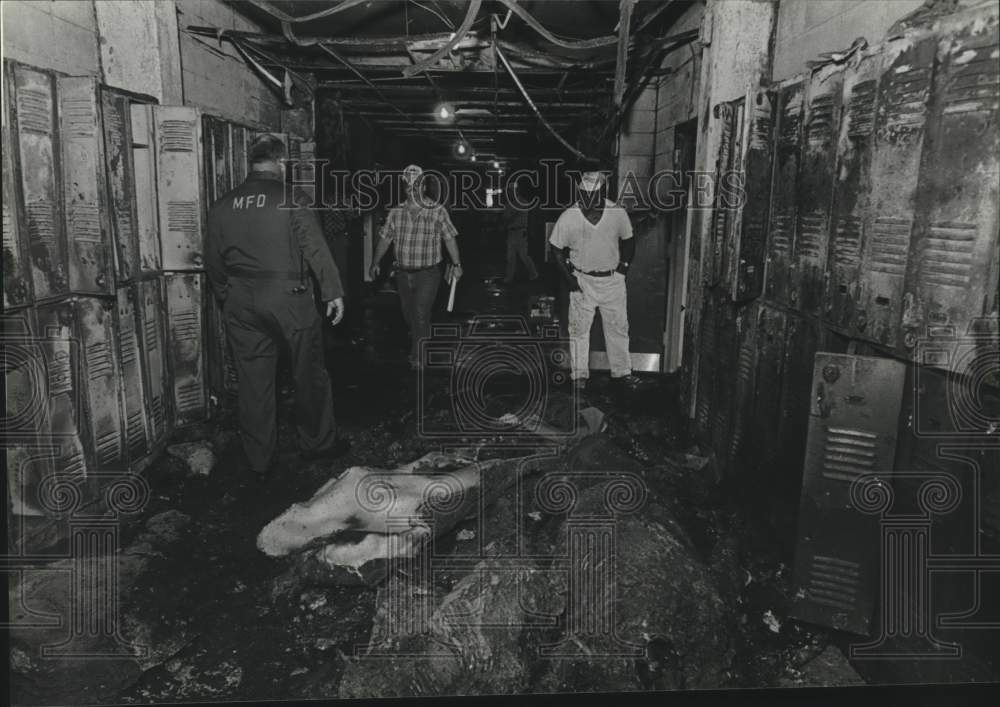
[515,221]
[258,250]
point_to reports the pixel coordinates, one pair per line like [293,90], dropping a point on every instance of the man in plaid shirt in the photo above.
[417,228]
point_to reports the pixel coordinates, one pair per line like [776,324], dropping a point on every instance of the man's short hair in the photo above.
[267,148]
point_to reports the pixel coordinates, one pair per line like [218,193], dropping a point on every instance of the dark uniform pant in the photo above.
[260,316]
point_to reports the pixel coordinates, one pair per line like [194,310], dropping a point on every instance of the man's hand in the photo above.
[574,284]
[622,268]
[335,310]
[373,271]
[456,271]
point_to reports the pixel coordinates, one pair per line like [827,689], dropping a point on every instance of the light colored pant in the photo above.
[608,294]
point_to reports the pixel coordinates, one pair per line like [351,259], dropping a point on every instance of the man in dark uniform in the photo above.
[259,251]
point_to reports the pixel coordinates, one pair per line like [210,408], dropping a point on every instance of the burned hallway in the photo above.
[797,486]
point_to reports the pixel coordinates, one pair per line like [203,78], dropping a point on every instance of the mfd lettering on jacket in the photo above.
[250,201]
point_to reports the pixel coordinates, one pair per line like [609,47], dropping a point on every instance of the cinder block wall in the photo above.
[216,78]
[59,35]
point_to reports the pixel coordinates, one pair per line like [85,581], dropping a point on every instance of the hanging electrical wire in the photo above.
[285,17]
[457,37]
[531,103]
[594,43]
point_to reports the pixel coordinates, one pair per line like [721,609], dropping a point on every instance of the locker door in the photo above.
[39,172]
[904,88]
[26,419]
[102,395]
[185,311]
[155,381]
[218,155]
[784,194]
[16,282]
[63,359]
[742,391]
[144,164]
[179,167]
[851,210]
[118,155]
[130,357]
[708,366]
[770,339]
[815,186]
[852,431]
[87,228]
[240,143]
[953,274]
[727,115]
[221,366]
[750,237]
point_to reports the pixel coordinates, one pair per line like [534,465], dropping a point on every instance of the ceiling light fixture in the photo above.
[445,113]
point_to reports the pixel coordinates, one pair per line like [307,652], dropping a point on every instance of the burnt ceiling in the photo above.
[395,63]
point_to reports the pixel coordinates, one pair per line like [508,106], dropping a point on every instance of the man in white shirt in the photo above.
[593,247]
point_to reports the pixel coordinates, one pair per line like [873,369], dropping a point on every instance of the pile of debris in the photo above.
[556,571]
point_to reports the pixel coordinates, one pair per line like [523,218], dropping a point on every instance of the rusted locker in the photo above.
[801,343]
[742,389]
[240,143]
[130,357]
[60,343]
[179,180]
[904,88]
[25,430]
[726,114]
[102,395]
[83,180]
[156,382]
[38,168]
[116,119]
[186,353]
[221,365]
[147,224]
[851,210]
[784,193]
[708,366]
[16,281]
[218,157]
[750,238]
[815,186]
[853,419]
[763,437]
[953,275]
[724,380]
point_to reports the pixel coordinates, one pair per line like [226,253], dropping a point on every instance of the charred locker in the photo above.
[178,141]
[65,384]
[132,390]
[750,241]
[147,223]
[815,187]
[185,309]
[903,91]
[240,143]
[38,168]
[853,418]
[218,157]
[26,431]
[770,346]
[120,169]
[952,278]
[98,335]
[155,379]
[84,192]
[742,391]
[16,280]
[851,210]
[784,194]
[728,115]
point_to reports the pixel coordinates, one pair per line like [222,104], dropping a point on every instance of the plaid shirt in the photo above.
[417,234]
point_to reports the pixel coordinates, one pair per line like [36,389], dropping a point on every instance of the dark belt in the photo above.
[425,267]
[263,274]
[597,273]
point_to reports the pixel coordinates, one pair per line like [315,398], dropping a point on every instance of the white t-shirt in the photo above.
[592,246]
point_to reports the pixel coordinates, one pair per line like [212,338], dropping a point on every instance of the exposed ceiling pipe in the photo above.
[624,27]
[356,72]
[595,43]
[531,103]
[285,17]
[458,36]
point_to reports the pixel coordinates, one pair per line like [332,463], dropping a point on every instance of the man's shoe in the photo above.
[339,449]
[630,380]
